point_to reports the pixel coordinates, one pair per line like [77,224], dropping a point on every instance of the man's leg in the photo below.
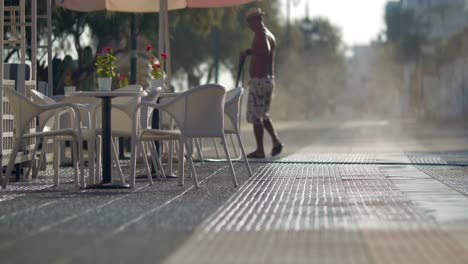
[277,145]
[268,125]
[258,132]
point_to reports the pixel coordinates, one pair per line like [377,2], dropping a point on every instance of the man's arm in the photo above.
[271,62]
[253,52]
[246,52]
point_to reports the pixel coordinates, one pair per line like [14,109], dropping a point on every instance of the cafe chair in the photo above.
[64,119]
[24,111]
[122,124]
[232,123]
[87,107]
[198,113]
[232,119]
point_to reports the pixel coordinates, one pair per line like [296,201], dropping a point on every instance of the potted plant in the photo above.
[68,83]
[123,80]
[157,67]
[105,63]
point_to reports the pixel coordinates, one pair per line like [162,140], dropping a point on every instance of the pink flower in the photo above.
[156,64]
[105,63]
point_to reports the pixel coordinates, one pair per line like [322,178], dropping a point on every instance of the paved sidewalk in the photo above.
[327,213]
[343,192]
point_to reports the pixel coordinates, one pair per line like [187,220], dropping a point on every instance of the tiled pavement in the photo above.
[353,193]
[309,213]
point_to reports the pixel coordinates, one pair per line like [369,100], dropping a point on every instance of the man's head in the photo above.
[254,18]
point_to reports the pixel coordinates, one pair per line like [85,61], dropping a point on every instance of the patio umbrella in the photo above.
[143,6]
[148,6]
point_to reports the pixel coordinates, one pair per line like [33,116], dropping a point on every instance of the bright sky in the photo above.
[360,20]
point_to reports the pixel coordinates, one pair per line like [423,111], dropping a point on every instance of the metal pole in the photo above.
[106,140]
[34,40]
[216,53]
[2,9]
[167,46]
[161,42]
[50,70]
[133,52]
[133,70]
[23,32]
[288,13]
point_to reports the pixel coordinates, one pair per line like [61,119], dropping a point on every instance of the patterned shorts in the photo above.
[259,100]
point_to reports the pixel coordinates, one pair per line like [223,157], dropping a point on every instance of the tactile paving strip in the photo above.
[308,155]
[454,176]
[452,157]
[318,213]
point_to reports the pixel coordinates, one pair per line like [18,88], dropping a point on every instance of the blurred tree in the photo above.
[312,73]
[215,35]
[405,31]
[236,36]
[191,43]
[193,26]
[323,37]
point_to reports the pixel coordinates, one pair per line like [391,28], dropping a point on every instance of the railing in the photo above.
[8,127]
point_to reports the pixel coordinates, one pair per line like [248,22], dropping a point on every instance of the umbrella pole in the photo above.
[161,26]
[133,52]
[168,48]
[161,48]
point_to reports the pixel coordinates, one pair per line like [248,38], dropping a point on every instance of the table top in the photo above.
[162,95]
[105,93]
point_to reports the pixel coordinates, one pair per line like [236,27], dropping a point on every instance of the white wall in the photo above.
[445,95]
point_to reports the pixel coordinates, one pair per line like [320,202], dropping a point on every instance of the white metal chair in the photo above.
[86,107]
[198,113]
[24,111]
[232,122]
[132,88]
[122,108]
[167,123]
[146,114]
[122,123]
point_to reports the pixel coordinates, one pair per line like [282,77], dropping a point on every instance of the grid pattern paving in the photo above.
[308,155]
[320,213]
[107,226]
[452,157]
[447,172]
[348,196]
[455,177]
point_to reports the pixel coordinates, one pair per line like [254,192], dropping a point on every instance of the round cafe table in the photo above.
[106,97]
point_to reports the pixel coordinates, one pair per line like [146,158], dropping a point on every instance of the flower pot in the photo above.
[69,89]
[104,84]
[155,83]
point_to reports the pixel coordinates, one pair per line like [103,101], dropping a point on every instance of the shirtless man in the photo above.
[261,84]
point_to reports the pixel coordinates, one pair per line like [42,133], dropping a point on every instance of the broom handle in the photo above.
[239,70]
